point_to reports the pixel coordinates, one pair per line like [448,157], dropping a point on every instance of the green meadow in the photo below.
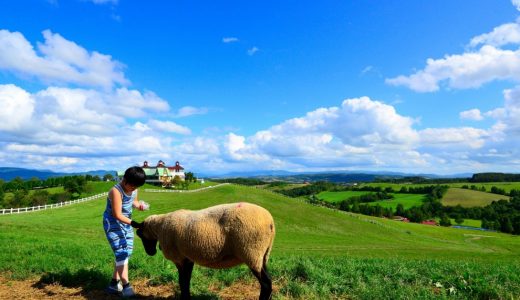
[407,200]
[334,197]
[318,253]
[469,198]
[507,186]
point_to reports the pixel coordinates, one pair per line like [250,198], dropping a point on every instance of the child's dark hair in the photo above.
[135,176]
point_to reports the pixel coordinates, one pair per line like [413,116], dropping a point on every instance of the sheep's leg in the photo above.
[266,287]
[185,270]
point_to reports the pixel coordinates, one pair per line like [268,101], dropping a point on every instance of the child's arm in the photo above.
[117,206]
[136,203]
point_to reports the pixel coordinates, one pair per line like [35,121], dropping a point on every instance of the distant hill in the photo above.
[337,176]
[8,174]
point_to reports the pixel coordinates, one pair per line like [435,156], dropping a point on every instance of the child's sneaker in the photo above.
[115,287]
[127,291]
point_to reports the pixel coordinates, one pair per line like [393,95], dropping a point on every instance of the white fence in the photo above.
[8,211]
[184,191]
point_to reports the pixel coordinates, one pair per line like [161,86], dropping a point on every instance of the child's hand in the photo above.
[143,205]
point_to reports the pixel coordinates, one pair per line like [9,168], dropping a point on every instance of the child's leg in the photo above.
[122,272]
[115,275]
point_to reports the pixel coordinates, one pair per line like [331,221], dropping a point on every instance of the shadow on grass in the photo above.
[91,284]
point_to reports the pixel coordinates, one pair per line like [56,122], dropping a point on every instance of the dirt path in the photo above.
[33,289]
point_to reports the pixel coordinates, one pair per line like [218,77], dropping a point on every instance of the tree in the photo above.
[506,225]
[459,220]
[445,220]
[189,177]
[39,197]
[75,185]
[355,207]
[108,177]
[399,210]
[176,180]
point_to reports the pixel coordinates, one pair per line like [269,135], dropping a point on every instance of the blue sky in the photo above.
[410,86]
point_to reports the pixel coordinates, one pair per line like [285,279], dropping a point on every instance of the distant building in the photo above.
[399,218]
[430,222]
[159,173]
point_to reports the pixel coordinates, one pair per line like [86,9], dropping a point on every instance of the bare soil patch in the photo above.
[34,289]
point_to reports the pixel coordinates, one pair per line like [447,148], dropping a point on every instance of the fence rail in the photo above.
[184,191]
[8,211]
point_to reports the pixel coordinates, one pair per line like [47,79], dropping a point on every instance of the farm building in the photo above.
[399,218]
[430,222]
[160,173]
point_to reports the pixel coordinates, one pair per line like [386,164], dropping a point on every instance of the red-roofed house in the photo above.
[159,173]
[430,222]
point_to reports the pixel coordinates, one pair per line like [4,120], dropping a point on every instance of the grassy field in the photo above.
[407,200]
[469,198]
[318,253]
[507,186]
[334,197]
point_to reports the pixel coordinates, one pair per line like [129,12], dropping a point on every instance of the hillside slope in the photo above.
[469,198]
[317,252]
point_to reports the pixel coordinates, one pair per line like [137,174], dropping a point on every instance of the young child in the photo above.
[117,220]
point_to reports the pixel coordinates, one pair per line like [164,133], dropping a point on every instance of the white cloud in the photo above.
[500,36]
[453,137]
[252,51]
[468,70]
[58,61]
[472,114]
[187,111]
[229,40]
[17,107]
[105,1]
[516,3]
[168,126]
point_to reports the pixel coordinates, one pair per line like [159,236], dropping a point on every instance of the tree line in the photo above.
[32,192]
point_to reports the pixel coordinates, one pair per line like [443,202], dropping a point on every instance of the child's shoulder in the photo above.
[114,190]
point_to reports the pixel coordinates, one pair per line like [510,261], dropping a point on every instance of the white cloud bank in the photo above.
[472,68]
[58,61]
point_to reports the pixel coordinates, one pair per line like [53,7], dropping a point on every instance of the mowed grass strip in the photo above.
[318,252]
[334,197]
[469,198]
[407,200]
[506,186]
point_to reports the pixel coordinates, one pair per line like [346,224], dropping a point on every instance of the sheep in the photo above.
[221,236]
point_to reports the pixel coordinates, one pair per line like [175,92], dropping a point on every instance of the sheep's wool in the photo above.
[221,236]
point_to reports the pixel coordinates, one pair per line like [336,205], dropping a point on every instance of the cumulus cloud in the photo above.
[58,60]
[168,126]
[485,60]
[60,123]
[516,3]
[472,114]
[228,40]
[453,137]
[17,107]
[500,36]
[468,70]
[361,133]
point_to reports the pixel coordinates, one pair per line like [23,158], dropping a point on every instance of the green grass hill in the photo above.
[469,198]
[318,253]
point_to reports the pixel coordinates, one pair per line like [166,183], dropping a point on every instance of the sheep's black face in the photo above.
[150,246]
